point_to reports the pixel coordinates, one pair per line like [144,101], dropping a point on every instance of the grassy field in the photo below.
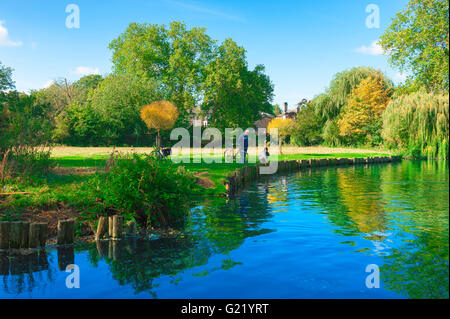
[59,194]
[82,160]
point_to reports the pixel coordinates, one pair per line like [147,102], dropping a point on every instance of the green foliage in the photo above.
[22,121]
[330,133]
[6,81]
[276,110]
[143,188]
[419,124]
[329,105]
[418,41]
[195,71]
[360,119]
[26,164]
[233,93]
[308,127]
[115,107]
[175,56]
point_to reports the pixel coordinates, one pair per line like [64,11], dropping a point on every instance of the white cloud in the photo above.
[47,84]
[374,49]
[5,41]
[85,70]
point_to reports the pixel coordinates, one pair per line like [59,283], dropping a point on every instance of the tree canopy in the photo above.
[417,41]
[159,115]
[6,81]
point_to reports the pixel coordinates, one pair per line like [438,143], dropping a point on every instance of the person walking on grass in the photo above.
[243,146]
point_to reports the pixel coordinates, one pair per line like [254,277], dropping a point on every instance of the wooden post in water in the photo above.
[33,238]
[43,233]
[110,226]
[117,226]
[15,235]
[130,228]
[5,228]
[24,235]
[65,232]
[102,228]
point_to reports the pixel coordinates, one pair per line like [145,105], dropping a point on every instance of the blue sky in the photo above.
[301,43]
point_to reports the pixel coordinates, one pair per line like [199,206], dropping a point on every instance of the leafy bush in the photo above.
[418,124]
[331,133]
[150,191]
[308,127]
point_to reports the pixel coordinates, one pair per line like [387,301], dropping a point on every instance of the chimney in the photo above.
[285,107]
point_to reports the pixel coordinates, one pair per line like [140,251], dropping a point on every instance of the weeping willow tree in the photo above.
[418,124]
[329,104]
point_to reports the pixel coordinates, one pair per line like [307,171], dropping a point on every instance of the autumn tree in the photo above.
[360,120]
[160,115]
[285,127]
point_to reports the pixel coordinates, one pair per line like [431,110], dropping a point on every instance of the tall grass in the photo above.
[418,124]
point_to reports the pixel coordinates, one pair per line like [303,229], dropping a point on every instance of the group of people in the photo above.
[242,144]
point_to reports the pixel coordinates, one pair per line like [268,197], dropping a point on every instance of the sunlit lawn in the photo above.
[64,188]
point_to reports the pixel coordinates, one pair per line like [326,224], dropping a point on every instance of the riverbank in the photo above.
[61,195]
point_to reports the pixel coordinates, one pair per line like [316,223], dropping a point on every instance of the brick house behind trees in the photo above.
[292,114]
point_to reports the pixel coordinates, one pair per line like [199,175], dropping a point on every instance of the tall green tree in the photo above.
[234,94]
[176,56]
[6,81]
[417,41]
[117,103]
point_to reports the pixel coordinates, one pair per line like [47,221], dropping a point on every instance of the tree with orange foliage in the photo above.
[160,115]
[284,126]
[361,121]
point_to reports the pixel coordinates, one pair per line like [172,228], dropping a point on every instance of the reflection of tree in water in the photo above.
[22,274]
[420,268]
[217,227]
[410,199]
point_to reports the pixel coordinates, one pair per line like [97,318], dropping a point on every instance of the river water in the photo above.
[321,233]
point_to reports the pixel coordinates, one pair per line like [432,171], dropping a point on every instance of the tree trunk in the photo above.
[158,139]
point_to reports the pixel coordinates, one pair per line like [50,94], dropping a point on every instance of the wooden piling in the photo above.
[102,228]
[15,235]
[117,226]
[5,228]
[66,232]
[43,233]
[110,226]
[24,235]
[130,228]
[33,237]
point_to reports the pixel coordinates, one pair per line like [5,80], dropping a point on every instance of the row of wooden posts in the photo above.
[24,235]
[113,226]
[247,174]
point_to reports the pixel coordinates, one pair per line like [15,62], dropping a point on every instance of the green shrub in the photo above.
[331,133]
[25,163]
[418,124]
[308,127]
[140,187]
